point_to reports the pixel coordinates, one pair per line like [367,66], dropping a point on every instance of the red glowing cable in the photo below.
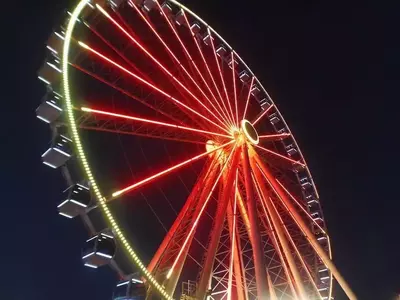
[262,115]
[248,98]
[101,112]
[199,215]
[273,137]
[149,84]
[176,59]
[179,165]
[221,76]
[281,156]
[208,69]
[156,61]
[234,87]
[301,206]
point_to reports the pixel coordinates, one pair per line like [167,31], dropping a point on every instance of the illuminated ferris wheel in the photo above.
[178,161]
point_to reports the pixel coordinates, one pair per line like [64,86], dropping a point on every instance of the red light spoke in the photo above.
[262,115]
[209,72]
[281,156]
[179,165]
[221,76]
[273,137]
[156,61]
[301,206]
[127,117]
[149,85]
[200,214]
[234,87]
[122,91]
[175,58]
[248,98]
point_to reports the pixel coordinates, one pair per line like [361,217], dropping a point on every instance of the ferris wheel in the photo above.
[180,164]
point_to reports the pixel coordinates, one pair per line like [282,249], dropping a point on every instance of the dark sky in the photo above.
[332,68]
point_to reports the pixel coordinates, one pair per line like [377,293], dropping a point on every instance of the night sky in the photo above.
[331,67]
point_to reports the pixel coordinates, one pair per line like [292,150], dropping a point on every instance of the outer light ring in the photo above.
[81,154]
[243,124]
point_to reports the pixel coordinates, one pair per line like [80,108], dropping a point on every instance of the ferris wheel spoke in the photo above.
[188,56]
[234,87]
[303,227]
[205,202]
[157,62]
[262,115]
[166,171]
[281,156]
[221,76]
[174,57]
[224,111]
[149,121]
[124,92]
[273,137]
[168,96]
[301,207]
[248,97]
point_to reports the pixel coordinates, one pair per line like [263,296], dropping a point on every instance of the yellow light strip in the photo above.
[81,154]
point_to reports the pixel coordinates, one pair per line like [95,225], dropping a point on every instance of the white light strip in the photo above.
[106,235]
[65,215]
[59,35]
[50,165]
[104,255]
[122,283]
[137,280]
[91,238]
[78,203]
[53,105]
[55,67]
[44,80]
[87,255]
[62,152]
[51,49]
[85,187]
[62,203]
[91,266]
[43,119]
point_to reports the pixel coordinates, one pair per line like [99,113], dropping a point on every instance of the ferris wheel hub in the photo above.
[249,132]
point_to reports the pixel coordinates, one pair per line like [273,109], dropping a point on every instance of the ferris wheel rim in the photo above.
[81,152]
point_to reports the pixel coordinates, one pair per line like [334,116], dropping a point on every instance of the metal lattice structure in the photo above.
[251,224]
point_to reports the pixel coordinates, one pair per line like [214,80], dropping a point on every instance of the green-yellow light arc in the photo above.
[81,154]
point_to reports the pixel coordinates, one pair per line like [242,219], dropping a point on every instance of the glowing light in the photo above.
[65,215]
[86,109]
[44,80]
[198,216]
[250,132]
[149,85]
[248,98]
[51,49]
[53,105]
[222,78]
[43,119]
[78,203]
[91,266]
[148,179]
[262,115]
[78,144]
[156,61]
[104,255]
[281,156]
[62,203]
[62,152]
[50,165]
[299,205]
[87,255]
[54,67]
[273,137]
[122,283]
[234,87]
